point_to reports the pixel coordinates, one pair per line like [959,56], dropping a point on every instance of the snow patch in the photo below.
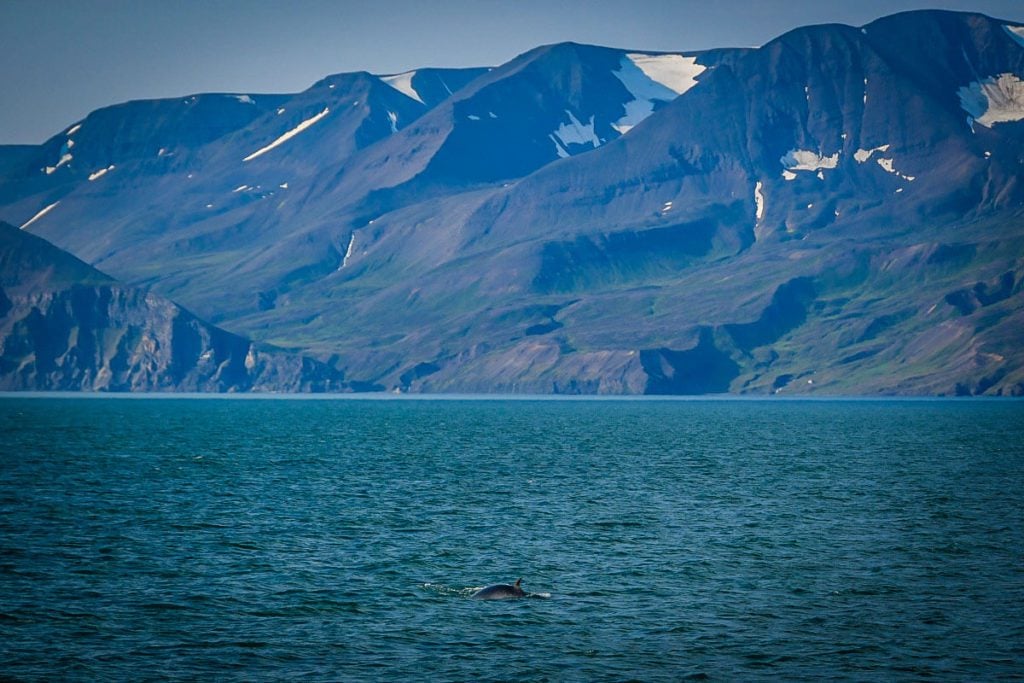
[988,155]
[64,159]
[393,119]
[348,251]
[100,173]
[39,215]
[862,155]
[562,154]
[1015,32]
[283,186]
[636,111]
[473,117]
[653,77]
[576,133]
[806,160]
[280,110]
[240,188]
[759,199]
[74,129]
[492,114]
[244,99]
[887,165]
[667,207]
[674,72]
[996,99]
[289,135]
[403,84]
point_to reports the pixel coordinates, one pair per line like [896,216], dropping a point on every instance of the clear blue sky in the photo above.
[62,59]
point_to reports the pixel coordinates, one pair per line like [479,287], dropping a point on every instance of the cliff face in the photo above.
[66,326]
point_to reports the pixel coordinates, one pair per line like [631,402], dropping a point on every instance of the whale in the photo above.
[500,591]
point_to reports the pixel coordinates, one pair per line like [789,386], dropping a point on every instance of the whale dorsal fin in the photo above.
[518,581]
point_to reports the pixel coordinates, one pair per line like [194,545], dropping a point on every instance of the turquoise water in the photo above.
[340,539]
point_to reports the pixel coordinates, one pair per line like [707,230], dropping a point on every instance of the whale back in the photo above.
[500,591]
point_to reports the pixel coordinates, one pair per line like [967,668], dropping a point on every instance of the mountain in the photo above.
[307,196]
[197,170]
[237,134]
[837,211]
[65,325]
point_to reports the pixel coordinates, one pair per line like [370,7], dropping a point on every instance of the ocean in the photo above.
[661,540]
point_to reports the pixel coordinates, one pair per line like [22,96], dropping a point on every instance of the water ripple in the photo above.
[675,540]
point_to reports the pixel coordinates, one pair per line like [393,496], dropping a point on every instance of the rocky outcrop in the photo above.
[66,326]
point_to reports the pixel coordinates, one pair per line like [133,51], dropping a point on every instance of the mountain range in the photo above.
[838,211]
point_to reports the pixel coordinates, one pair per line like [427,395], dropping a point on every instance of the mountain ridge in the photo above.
[597,220]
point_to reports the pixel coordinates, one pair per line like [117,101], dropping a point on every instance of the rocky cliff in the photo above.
[67,326]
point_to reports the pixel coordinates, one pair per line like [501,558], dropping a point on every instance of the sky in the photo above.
[62,59]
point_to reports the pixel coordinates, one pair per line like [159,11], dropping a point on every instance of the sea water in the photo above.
[226,539]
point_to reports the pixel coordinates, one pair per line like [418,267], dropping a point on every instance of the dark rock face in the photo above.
[61,335]
[787,310]
[982,294]
[839,211]
[704,369]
